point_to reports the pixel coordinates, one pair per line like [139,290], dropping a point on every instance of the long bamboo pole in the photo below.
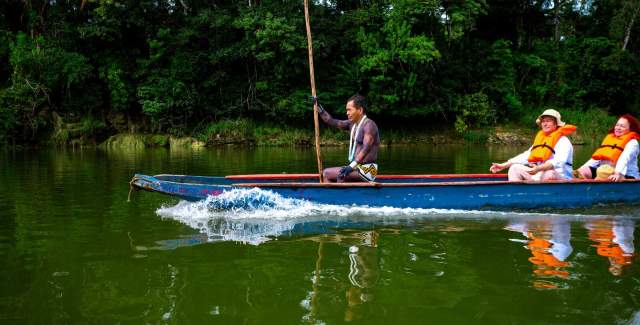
[313,89]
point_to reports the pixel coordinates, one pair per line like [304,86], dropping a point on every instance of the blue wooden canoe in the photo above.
[457,191]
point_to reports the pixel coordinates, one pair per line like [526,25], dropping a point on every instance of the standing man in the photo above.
[363,143]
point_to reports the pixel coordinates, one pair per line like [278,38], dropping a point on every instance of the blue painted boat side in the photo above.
[217,180]
[187,191]
[556,195]
[451,195]
[189,179]
[441,180]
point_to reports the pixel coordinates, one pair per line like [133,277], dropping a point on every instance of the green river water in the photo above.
[74,251]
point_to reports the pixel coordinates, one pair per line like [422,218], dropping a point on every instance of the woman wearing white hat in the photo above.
[549,158]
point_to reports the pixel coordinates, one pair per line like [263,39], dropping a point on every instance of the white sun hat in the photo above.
[553,113]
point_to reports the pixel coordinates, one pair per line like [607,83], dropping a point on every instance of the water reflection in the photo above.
[359,253]
[169,244]
[613,240]
[549,242]
[363,273]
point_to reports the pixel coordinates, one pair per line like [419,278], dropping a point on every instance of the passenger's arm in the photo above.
[563,155]
[630,150]
[591,163]
[519,159]
[522,158]
[546,166]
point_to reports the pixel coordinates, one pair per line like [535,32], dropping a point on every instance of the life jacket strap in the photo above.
[544,145]
[612,146]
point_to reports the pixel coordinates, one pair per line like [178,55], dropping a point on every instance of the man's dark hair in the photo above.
[358,102]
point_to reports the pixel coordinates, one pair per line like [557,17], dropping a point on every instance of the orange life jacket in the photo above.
[546,264]
[612,146]
[603,236]
[544,144]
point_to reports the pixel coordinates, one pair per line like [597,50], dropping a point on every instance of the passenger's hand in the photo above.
[344,172]
[577,174]
[615,177]
[496,167]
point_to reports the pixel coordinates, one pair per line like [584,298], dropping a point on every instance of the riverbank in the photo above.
[592,126]
[276,137]
[302,138]
[243,132]
[299,138]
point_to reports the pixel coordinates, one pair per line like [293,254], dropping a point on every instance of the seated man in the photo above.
[549,158]
[363,143]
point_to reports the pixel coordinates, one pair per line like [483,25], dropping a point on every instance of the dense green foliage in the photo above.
[177,67]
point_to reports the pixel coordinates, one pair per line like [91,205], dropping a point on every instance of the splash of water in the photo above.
[255,215]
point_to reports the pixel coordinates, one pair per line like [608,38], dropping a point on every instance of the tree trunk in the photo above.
[627,33]
[556,20]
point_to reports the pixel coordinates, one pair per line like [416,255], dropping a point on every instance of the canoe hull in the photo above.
[459,193]
[521,196]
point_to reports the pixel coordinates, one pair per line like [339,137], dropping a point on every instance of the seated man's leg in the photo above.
[331,174]
[585,172]
[519,172]
[549,175]
[354,176]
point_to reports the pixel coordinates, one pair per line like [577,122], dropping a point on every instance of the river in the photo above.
[73,249]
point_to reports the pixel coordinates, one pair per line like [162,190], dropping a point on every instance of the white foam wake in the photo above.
[254,215]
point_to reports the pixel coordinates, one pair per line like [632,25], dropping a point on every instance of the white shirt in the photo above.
[561,239]
[627,163]
[623,235]
[560,236]
[562,160]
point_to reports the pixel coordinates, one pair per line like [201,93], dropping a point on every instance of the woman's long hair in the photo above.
[634,125]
